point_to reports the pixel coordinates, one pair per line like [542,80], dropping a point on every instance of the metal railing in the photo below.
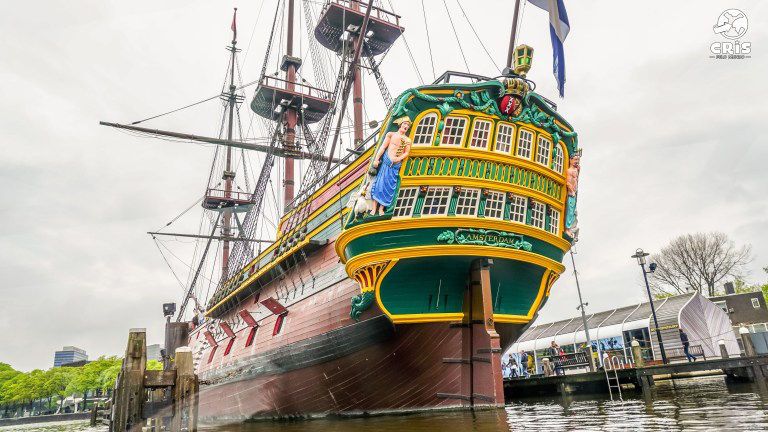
[376,12]
[233,195]
[304,89]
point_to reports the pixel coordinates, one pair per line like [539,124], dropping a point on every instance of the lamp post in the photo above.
[583,314]
[640,256]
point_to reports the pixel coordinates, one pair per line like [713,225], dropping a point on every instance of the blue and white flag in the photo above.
[558,30]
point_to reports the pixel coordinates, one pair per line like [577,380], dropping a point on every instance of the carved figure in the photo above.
[388,159]
[572,186]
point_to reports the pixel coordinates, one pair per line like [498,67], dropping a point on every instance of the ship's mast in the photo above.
[229,174]
[291,116]
[512,37]
[357,91]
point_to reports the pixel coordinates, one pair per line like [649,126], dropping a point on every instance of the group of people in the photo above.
[522,366]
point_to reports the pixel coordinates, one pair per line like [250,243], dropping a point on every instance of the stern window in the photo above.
[436,201]
[466,205]
[554,221]
[453,133]
[537,214]
[543,150]
[404,204]
[480,134]
[494,205]
[524,140]
[504,134]
[518,208]
[557,159]
[425,131]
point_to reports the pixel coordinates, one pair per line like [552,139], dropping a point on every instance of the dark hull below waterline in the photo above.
[407,368]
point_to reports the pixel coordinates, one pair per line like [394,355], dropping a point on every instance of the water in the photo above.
[704,404]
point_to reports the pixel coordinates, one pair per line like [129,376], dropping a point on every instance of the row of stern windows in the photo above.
[507,139]
[428,201]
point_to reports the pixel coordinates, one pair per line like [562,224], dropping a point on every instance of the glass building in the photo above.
[69,354]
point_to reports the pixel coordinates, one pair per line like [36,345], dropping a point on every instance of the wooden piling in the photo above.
[129,392]
[185,393]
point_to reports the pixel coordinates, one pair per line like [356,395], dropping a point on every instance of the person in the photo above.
[555,352]
[523,364]
[388,159]
[513,367]
[530,366]
[686,346]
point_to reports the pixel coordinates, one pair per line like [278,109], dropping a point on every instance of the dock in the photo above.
[642,379]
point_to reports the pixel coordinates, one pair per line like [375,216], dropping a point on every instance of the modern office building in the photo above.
[612,331]
[69,354]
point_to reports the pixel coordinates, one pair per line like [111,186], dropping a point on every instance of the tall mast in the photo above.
[512,37]
[357,91]
[291,116]
[229,175]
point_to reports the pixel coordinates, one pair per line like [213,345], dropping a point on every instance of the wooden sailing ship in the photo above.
[350,311]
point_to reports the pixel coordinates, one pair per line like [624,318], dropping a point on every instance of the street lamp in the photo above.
[583,313]
[640,256]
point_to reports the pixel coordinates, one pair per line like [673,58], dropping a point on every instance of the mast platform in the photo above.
[220,199]
[313,103]
[338,15]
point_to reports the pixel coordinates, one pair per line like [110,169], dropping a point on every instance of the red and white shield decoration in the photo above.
[509,104]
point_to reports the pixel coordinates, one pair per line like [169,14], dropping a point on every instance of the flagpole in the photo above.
[512,37]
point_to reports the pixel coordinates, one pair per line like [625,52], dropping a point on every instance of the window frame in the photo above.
[533,210]
[755,300]
[489,194]
[447,201]
[512,207]
[488,133]
[512,136]
[559,152]
[412,205]
[554,228]
[539,139]
[429,114]
[530,143]
[477,197]
[463,136]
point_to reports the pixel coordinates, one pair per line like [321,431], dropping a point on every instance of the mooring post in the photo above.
[129,393]
[723,349]
[591,358]
[746,339]
[637,353]
[185,397]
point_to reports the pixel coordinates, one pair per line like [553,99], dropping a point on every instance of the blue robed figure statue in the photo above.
[387,161]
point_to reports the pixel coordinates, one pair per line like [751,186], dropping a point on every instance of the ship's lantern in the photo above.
[523,59]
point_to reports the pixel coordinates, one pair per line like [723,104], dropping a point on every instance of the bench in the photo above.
[571,361]
[678,353]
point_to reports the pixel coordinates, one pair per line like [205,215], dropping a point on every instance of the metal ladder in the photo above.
[615,363]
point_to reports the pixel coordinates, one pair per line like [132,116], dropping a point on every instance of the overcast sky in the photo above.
[673,143]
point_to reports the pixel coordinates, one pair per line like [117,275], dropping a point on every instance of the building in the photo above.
[748,310]
[153,352]
[69,354]
[612,331]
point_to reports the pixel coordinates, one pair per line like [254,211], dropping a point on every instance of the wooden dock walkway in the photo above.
[752,369]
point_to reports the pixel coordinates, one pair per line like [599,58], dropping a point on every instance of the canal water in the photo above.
[703,404]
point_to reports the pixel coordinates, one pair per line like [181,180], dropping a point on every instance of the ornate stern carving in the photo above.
[369,277]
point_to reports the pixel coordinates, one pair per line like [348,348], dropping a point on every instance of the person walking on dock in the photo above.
[523,364]
[686,346]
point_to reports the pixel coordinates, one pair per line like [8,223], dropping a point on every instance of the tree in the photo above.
[698,262]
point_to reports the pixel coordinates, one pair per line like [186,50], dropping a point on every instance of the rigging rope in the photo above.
[476,35]
[408,48]
[457,36]
[429,43]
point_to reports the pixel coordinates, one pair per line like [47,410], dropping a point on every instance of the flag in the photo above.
[234,25]
[558,30]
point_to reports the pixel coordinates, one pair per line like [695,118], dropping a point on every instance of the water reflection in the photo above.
[705,404]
